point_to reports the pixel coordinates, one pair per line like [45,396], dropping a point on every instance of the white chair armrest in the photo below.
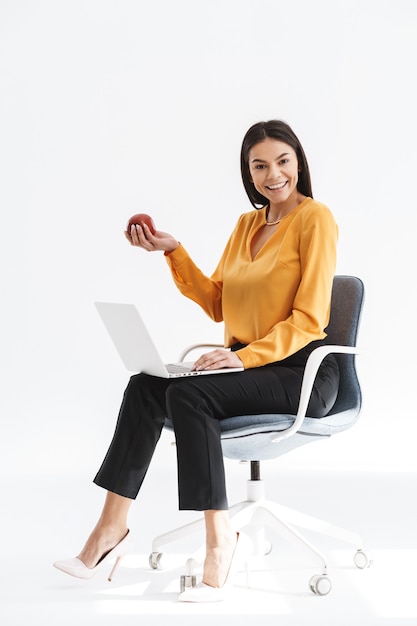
[313,363]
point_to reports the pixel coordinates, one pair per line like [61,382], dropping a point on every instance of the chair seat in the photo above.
[246,437]
[246,425]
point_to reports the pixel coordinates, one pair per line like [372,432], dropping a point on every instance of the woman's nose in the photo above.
[274,171]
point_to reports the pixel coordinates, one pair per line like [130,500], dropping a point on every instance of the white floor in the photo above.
[50,516]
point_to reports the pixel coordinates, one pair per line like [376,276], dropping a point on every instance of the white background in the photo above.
[109,108]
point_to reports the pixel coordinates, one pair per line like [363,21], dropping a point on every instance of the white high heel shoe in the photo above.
[205,593]
[75,567]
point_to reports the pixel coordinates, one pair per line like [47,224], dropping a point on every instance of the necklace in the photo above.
[273,223]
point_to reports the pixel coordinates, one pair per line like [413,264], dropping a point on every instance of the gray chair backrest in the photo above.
[343,327]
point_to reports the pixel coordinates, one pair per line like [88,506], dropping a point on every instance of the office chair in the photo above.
[255,438]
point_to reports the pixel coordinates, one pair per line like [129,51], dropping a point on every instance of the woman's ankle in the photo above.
[102,539]
[218,560]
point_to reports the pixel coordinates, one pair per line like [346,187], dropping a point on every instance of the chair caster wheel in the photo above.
[362,559]
[320,585]
[157,560]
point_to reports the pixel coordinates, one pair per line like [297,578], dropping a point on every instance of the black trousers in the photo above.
[195,406]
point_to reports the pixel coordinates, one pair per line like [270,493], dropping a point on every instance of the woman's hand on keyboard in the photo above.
[217,359]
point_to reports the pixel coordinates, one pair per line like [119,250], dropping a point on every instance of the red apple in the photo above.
[141,219]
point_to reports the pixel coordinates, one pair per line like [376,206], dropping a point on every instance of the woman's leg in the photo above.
[141,418]
[196,408]
[138,429]
[109,530]
[220,544]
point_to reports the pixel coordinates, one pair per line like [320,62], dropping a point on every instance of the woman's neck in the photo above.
[277,211]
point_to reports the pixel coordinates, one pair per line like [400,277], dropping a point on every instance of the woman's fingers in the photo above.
[142,237]
[137,237]
[216,359]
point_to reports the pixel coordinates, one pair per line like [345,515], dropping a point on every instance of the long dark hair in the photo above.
[275,129]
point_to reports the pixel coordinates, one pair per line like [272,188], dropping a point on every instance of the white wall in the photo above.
[110,107]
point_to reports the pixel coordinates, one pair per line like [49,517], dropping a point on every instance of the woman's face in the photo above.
[273,167]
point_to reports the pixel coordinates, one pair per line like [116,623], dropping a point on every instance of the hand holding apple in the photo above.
[141,219]
[151,241]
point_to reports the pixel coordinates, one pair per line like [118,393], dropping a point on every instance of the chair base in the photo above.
[254,514]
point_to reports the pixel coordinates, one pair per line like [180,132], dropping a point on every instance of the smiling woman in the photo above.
[286,247]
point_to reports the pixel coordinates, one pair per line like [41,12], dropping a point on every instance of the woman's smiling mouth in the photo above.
[277,186]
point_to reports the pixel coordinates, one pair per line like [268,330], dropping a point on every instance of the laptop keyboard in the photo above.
[177,368]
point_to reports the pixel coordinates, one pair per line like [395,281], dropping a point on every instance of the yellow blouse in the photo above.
[277,302]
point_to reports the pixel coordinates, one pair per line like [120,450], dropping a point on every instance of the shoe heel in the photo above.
[247,554]
[114,568]
[248,572]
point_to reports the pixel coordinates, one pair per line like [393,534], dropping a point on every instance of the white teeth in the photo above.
[277,186]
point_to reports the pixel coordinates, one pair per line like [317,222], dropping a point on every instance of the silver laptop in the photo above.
[136,348]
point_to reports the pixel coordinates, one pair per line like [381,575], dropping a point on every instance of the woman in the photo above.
[272,290]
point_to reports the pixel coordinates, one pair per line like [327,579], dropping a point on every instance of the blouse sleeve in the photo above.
[190,280]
